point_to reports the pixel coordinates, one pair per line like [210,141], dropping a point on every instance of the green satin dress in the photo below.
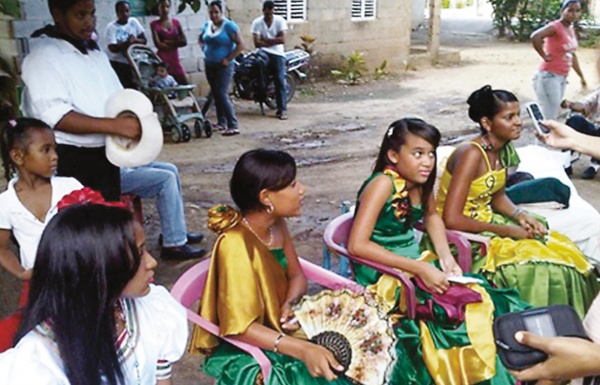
[434,352]
[545,272]
[246,283]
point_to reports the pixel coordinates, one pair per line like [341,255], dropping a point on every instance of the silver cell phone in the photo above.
[533,109]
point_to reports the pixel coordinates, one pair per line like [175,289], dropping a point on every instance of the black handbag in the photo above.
[552,321]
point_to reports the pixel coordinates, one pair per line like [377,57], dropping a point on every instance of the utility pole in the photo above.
[435,20]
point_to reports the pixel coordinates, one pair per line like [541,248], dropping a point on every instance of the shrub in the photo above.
[352,70]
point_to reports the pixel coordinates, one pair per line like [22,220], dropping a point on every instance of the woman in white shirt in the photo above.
[93,316]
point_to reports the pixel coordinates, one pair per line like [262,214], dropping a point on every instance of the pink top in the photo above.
[171,55]
[560,47]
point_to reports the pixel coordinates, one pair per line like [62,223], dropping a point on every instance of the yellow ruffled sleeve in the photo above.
[245,284]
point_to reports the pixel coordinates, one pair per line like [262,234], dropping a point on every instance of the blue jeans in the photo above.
[160,180]
[550,91]
[219,78]
[581,124]
[278,68]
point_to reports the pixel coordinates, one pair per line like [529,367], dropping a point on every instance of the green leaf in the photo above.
[10,8]
[196,5]
[181,7]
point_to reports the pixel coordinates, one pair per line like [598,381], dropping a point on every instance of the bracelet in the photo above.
[517,211]
[277,341]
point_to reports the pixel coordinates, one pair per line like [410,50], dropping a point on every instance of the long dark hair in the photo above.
[257,170]
[86,257]
[486,103]
[16,134]
[395,138]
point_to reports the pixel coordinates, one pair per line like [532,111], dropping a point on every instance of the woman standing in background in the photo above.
[168,37]
[556,43]
[221,42]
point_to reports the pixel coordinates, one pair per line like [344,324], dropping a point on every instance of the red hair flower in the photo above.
[86,195]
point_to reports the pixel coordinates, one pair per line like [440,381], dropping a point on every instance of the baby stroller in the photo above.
[175,106]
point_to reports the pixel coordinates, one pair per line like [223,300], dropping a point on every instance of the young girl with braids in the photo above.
[451,340]
[29,157]
[546,267]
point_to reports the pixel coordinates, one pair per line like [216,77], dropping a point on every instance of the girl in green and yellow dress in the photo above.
[255,276]
[545,266]
[450,343]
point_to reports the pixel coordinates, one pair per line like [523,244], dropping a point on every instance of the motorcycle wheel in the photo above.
[290,88]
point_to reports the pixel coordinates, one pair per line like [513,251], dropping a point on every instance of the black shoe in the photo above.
[191,238]
[195,237]
[569,171]
[181,253]
[589,173]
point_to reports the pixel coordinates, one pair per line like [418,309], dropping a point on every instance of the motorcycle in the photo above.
[247,74]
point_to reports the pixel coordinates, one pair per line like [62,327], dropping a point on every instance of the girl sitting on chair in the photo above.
[449,344]
[254,278]
[93,317]
[546,268]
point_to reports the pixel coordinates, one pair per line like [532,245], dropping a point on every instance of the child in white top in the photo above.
[28,150]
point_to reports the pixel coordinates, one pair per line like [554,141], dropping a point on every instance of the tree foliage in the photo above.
[10,8]
[195,5]
[519,18]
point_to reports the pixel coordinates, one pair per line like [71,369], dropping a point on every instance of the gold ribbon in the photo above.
[469,364]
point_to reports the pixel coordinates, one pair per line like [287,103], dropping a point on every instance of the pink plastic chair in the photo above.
[189,288]
[336,237]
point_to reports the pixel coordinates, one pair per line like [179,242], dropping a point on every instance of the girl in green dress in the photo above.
[440,348]
[255,276]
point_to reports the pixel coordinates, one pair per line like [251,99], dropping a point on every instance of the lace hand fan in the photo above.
[356,330]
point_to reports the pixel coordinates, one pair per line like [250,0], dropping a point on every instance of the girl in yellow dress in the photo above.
[255,276]
[546,267]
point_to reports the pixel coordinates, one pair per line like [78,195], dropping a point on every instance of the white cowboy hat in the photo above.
[124,152]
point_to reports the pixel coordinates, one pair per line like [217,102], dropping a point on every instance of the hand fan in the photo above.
[355,328]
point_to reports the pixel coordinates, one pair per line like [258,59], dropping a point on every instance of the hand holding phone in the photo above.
[551,321]
[534,111]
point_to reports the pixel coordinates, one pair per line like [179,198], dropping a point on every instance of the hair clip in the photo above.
[86,196]
[390,131]
[12,122]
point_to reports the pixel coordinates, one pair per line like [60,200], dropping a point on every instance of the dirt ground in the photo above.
[334,131]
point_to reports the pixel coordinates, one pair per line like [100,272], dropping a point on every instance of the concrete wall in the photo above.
[385,38]
[8,46]
[35,15]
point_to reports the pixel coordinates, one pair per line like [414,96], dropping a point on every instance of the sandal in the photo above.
[218,127]
[230,132]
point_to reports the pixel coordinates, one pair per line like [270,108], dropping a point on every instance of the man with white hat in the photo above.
[68,80]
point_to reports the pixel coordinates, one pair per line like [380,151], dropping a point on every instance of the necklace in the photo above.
[486,146]
[268,244]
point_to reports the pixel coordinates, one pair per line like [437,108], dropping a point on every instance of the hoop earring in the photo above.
[270,209]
